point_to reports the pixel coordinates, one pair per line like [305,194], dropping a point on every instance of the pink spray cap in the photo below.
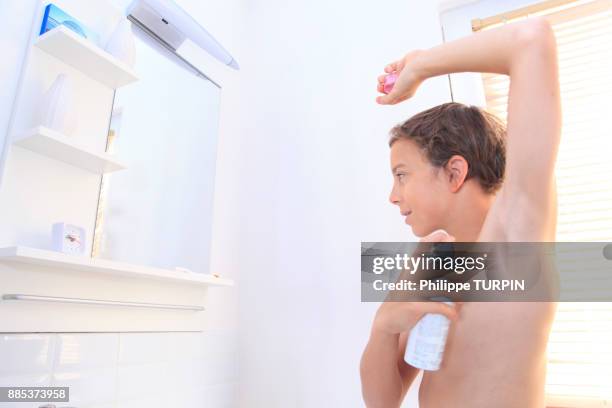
[389,82]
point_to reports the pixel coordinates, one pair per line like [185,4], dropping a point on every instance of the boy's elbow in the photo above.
[535,44]
[536,32]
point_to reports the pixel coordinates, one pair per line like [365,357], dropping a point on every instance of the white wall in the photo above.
[13,42]
[304,177]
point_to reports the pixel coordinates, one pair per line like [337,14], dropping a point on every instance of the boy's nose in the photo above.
[393,199]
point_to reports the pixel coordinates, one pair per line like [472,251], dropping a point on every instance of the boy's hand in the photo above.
[397,316]
[407,82]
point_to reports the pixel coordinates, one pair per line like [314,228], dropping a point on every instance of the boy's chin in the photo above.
[419,232]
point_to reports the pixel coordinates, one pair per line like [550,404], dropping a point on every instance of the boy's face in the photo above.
[419,189]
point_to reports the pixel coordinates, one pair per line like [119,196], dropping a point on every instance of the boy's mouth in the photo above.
[406,214]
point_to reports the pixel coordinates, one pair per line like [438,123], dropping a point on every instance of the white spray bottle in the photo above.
[425,346]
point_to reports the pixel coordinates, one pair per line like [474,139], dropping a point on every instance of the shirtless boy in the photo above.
[456,169]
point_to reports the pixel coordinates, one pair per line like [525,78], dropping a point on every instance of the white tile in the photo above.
[22,404]
[88,387]
[233,363]
[220,368]
[146,402]
[185,346]
[139,380]
[137,348]
[27,380]
[26,353]
[219,341]
[185,376]
[189,397]
[112,404]
[192,383]
[186,395]
[86,351]
[97,405]
[220,396]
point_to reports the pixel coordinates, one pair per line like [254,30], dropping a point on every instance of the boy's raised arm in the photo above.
[527,52]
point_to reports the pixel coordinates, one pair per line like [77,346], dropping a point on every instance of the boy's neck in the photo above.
[469,218]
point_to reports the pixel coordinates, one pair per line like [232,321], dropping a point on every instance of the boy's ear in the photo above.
[456,170]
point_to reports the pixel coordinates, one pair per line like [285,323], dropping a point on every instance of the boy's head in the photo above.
[442,160]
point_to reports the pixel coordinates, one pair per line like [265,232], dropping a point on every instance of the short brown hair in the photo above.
[457,129]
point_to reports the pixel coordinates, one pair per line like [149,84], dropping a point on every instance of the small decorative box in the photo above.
[69,239]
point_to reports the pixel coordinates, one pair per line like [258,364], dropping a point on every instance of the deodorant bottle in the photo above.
[427,340]
[389,82]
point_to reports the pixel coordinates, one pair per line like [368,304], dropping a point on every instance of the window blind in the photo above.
[579,372]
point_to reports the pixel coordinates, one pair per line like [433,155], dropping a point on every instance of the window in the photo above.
[580,352]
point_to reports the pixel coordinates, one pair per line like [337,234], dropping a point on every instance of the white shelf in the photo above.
[85,264]
[82,54]
[47,142]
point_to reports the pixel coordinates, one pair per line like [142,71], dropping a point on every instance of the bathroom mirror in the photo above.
[158,211]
